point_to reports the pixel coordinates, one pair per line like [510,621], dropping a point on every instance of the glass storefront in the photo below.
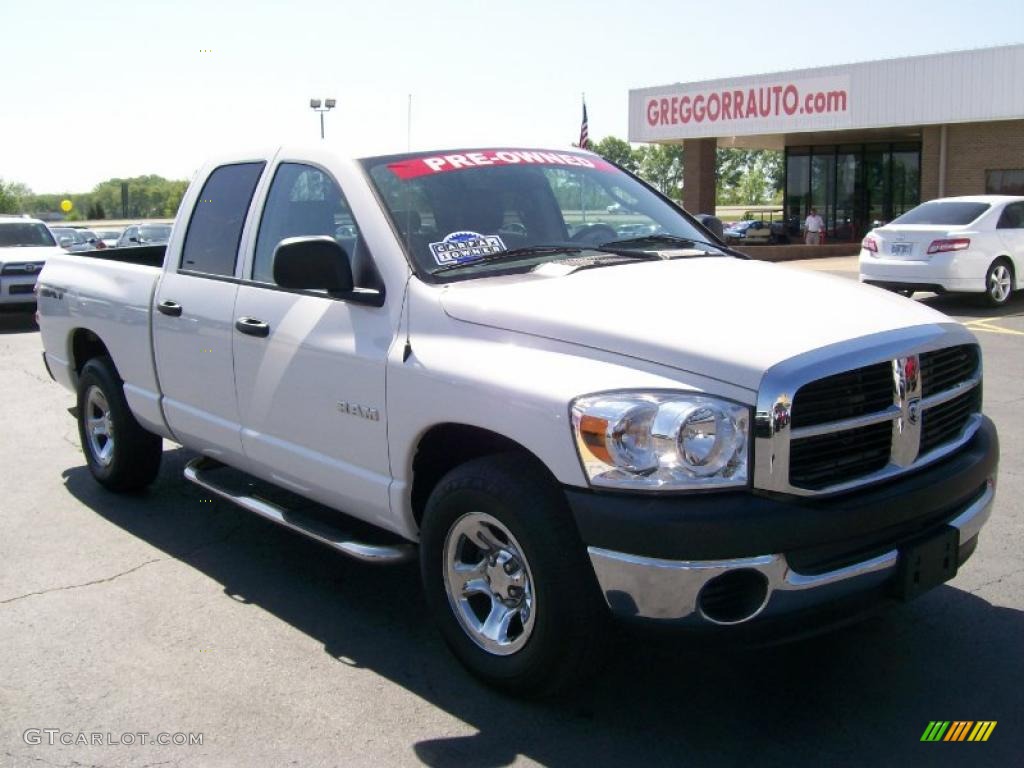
[852,186]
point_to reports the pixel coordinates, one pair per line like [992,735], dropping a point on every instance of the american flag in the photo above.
[584,131]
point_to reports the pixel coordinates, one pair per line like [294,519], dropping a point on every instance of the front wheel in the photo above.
[507,578]
[999,283]
[122,456]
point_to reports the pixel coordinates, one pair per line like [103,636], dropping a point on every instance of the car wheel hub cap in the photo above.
[488,583]
[99,429]
[1000,283]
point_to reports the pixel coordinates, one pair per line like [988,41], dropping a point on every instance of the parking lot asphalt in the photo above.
[168,612]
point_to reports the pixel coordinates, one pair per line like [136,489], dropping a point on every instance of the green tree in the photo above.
[148,197]
[12,196]
[661,166]
[617,151]
[748,177]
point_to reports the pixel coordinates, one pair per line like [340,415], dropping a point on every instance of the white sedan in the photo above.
[952,245]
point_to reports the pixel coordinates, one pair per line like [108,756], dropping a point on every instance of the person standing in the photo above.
[814,226]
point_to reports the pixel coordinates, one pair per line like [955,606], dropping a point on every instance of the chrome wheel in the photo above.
[99,429]
[489,584]
[999,283]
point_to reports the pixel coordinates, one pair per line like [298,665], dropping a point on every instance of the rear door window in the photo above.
[1012,217]
[215,230]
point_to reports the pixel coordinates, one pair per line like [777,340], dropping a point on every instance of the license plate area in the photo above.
[927,563]
[901,249]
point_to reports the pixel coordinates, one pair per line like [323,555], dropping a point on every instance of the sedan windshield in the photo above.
[943,212]
[25,235]
[155,234]
[472,207]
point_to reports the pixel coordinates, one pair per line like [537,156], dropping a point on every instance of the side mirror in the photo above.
[133,239]
[312,263]
[66,241]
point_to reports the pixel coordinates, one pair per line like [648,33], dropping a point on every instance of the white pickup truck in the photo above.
[566,415]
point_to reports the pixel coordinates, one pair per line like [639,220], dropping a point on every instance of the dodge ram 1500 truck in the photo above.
[565,415]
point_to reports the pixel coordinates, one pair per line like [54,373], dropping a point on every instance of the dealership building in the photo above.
[863,142]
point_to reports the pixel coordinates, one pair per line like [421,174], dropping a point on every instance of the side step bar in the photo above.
[198,471]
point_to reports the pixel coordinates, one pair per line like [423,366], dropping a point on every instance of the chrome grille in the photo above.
[844,396]
[22,268]
[866,410]
[823,460]
[942,423]
[945,368]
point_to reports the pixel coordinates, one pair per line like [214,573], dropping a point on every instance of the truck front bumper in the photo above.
[729,558]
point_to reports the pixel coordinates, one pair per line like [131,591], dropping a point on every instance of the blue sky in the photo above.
[118,88]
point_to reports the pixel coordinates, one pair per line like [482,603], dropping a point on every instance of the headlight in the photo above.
[661,441]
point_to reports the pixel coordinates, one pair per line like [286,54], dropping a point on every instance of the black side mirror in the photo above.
[312,263]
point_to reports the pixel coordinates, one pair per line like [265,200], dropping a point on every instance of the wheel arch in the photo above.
[444,446]
[85,345]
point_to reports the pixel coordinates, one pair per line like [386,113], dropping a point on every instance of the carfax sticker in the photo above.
[458,247]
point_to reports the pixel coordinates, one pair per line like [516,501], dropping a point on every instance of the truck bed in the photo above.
[104,295]
[149,255]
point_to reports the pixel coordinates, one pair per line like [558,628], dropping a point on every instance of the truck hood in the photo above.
[722,318]
[34,253]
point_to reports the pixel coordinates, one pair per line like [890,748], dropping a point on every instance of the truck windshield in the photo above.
[25,235]
[466,206]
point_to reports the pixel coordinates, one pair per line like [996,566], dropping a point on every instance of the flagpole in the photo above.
[583,205]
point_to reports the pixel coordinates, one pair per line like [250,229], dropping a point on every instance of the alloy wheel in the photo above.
[489,585]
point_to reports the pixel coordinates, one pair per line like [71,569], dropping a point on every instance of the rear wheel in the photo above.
[507,578]
[999,283]
[121,455]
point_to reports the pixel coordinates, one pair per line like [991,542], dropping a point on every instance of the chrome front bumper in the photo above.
[670,590]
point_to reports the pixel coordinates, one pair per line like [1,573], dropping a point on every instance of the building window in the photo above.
[854,187]
[1008,182]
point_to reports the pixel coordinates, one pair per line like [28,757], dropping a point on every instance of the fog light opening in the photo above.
[733,597]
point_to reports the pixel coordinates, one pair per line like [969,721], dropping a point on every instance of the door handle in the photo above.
[252,327]
[169,308]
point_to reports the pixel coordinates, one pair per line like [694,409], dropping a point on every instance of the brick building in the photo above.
[863,142]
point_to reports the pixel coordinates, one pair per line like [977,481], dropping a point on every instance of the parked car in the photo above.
[952,245]
[749,232]
[144,234]
[25,245]
[74,240]
[562,429]
[109,237]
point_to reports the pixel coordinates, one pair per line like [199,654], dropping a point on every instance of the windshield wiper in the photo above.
[660,238]
[512,255]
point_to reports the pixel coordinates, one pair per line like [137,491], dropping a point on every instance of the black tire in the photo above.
[129,457]
[905,292]
[570,618]
[996,296]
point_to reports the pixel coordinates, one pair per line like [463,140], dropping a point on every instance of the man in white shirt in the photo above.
[813,228]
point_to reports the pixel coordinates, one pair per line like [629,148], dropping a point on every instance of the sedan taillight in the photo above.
[952,244]
[869,244]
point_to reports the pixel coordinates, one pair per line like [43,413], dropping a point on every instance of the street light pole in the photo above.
[328,105]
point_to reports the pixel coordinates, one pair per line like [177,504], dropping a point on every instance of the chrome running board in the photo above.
[199,471]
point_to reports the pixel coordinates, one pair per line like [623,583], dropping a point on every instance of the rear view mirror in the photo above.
[312,263]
